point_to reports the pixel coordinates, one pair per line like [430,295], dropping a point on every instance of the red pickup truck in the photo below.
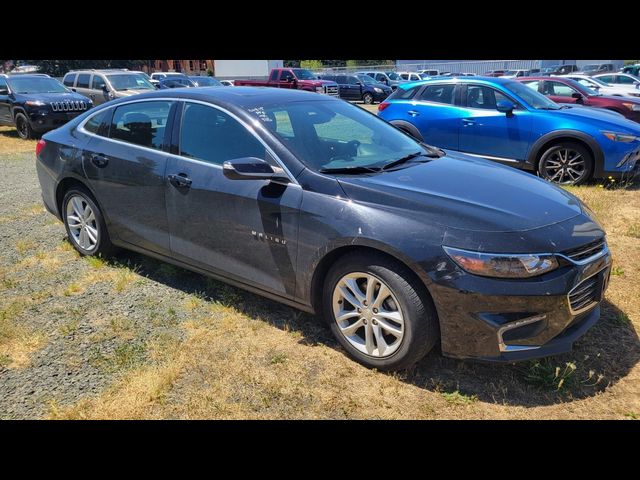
[298,78]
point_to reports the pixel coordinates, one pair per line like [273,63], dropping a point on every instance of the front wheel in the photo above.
[23,127]
[379,312]
[367,98]
[566,163]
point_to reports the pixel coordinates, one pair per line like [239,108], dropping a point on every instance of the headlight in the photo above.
[35,103]
[320,89]
[632,106]
[502,265]
[377,90]
[619,137]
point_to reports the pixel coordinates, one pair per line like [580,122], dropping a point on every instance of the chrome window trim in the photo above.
[250,128]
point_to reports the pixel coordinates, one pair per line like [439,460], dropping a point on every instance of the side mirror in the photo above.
[4,91]
[506,107]
[105,89]
[252,168]
[576,95]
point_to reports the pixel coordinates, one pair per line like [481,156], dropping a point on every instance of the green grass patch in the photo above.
[457,398]
[545,375]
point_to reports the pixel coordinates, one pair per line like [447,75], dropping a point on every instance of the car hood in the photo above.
[55,97]
[593,113]
[463,192]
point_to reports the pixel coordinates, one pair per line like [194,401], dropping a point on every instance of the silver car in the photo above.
[104,85]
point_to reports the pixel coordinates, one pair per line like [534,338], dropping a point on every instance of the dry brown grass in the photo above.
[17,342]
[10,142]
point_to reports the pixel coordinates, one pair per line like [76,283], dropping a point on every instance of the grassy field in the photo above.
[135,338]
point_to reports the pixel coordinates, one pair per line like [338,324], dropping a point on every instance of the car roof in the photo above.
[462,79]
[27,75]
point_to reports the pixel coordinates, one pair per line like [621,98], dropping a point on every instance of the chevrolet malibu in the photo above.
[316,203]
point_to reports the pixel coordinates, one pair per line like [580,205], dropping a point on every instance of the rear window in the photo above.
[69,78]
[83,80]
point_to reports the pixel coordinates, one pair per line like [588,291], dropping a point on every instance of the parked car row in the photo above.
[517,122]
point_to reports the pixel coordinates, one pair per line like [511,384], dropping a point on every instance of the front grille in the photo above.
[331,90]
[586,251]
[69,106]
[584,295]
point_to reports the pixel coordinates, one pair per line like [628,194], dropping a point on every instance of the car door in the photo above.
[434,112]
[558,91]
[83,84]
[487,132]
[5,105]
[245,230]
[354,88]
[125,164]
[97,93]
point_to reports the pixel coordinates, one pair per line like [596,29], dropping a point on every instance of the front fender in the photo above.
[598,155]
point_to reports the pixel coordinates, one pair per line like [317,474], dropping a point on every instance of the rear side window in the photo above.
[438,94]
[212,136]
[624,80]
[141,123]
[99,123]
[83,80]
[274,76]
[402,94]
[69,78]
[97,82]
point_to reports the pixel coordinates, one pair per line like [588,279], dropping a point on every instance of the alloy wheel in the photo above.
[82,223]
[368,314]
[565,166]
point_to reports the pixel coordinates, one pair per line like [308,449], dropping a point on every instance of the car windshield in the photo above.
[304,74]
[36,85]
[394,76]
[206,82]
[132,81]
[334,135]
[531,97]
[590,68]
[366,79]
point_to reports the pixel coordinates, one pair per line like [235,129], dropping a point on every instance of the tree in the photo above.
[311,64]
[291,63]
[57,68]
[631,62]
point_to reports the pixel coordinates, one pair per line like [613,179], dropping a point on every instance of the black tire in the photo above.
[553,154]
[23,127]
[103,246]
[367,98]
[421,330]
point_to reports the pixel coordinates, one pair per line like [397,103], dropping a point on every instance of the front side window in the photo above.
[479,96]
[141,123]
[83,80]
[304,74]
[97,82]
[286,75]
[328,134]
[438,94]
[69,78]
[213,136]
[557,88]
[36,85]
[353,80]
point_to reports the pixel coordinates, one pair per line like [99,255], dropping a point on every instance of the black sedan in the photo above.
[320,205]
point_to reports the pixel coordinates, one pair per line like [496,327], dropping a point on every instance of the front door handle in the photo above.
[180,180]
[413,113]
[467,123]
[99,160]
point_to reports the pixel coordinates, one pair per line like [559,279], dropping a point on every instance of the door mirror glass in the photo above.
[505,106]
[251,168]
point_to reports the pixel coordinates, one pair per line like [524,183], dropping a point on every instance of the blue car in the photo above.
[502,120]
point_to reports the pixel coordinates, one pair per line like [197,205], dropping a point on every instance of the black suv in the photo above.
[37,103]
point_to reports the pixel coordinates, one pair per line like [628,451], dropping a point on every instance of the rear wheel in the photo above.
[566,163]
[85,224]
[23,127]
[367,98]
[379,312]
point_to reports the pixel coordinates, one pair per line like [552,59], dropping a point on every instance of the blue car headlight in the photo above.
[501,265]
[620,137]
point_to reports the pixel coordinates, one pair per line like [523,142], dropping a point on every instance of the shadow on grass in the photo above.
[12,133]
[603,356]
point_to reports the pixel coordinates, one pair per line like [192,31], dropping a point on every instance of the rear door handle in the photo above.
[413,113]
[180,180]
[467,122]
[99,160]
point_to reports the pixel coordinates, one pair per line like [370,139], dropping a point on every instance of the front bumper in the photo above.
[503,320]
[44,121]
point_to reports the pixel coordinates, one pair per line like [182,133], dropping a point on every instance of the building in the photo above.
[223,69]
[482,66]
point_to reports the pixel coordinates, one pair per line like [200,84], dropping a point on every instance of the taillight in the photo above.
[39,146]
[383,105]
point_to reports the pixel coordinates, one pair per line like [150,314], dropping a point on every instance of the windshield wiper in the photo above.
[405,159]
[353,170]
